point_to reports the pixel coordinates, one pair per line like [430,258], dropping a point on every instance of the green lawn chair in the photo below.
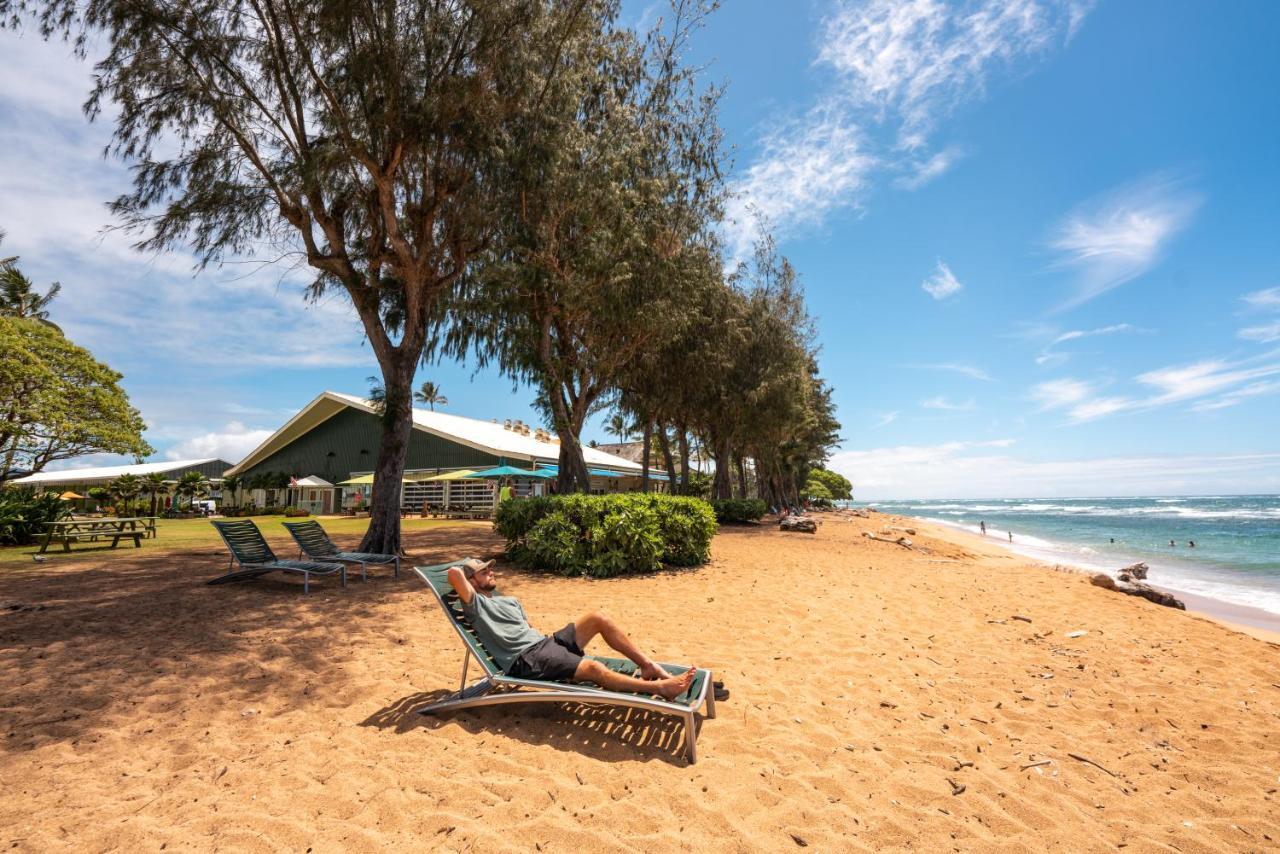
[315,543]
[255,557]
[496,688]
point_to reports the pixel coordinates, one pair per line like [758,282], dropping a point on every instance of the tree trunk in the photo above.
[647,448]
[573,476]
[664,444]
[682,435]
[721,486]
[383,534]
[742,476]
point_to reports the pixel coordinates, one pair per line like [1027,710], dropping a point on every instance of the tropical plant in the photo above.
[606,535]
[377,395]
[126,487]
[191,486]
[738,510]
[429,393]
[230,491]
[837,485]
[58,402]
[24,512]
[18,296]
[155,485]
[619,426]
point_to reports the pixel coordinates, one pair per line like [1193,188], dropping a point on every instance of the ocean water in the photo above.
[1236,557]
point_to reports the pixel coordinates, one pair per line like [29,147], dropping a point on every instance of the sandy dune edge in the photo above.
[140,709]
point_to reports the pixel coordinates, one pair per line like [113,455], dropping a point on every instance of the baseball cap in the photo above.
[471,566]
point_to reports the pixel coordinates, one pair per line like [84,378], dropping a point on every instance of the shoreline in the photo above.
[1254,622]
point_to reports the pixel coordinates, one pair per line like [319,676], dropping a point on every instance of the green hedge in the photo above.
[606,535]
[739,510]
[23,513]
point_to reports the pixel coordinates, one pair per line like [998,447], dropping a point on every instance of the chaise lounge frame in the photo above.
[495,688]
[250,550]
[314,542]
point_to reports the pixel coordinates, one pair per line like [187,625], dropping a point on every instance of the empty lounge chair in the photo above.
[315,543]
[255,557]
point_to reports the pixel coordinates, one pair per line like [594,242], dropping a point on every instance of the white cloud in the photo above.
[985,470]
[924,171]
[942,283]
[942,404]
[1265,300]
[1266,333]
[233,443]
[970,371]
[1235,381]
[885,419]
[1059,394]
[897,68]
[1262,301]
[1049,356]
[1115,239]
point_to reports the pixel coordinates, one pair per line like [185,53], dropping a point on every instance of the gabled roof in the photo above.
[484,436]
[108,472]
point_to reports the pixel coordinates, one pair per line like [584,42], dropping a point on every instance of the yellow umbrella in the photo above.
[70,496]
[362,480]
[453,475]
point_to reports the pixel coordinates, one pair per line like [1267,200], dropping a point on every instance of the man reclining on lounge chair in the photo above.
[525,653]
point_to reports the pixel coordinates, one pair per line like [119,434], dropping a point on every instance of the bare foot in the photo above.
[674,686]
[652,670]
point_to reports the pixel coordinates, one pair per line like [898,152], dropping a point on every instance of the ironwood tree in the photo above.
[369,142]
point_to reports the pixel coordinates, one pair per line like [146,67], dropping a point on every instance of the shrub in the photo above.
[24,512]
[606,535]
[738,510]
[293,512]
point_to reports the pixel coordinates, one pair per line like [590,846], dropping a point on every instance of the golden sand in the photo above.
[881,698]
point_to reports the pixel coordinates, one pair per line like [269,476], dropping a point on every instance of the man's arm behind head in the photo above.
[458,578]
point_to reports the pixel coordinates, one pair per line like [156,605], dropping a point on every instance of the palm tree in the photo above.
[126,487]
[155,485]
[377,394]
[230,486]
[193,485]
[18,297]
[429,393]
[618,426]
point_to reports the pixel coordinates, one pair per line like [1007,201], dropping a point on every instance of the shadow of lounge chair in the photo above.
[496,688]
[315,543]
[255,557]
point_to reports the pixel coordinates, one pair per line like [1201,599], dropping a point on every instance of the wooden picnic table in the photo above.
[91,530]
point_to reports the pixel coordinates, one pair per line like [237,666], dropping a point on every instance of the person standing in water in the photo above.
[1011,536]
[983,526]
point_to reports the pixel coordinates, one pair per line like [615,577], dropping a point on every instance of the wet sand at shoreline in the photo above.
[881,698]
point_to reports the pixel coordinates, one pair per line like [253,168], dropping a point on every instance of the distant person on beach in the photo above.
[1113,539]
[1011,536]
[983,526]
[1172,544]
[1191,543]
[525,653]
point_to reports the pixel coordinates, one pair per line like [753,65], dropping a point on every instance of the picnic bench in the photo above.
[94,530]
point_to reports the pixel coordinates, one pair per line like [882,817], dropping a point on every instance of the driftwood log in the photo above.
[798,524]
[1136,588]
[900,541]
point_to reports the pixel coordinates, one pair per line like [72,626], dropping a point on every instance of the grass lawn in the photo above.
[187,534]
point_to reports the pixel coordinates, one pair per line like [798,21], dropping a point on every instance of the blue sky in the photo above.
[1040,239]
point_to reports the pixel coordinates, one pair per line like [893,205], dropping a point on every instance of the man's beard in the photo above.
[484,587]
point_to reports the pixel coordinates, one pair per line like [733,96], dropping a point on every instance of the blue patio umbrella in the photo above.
[512,471]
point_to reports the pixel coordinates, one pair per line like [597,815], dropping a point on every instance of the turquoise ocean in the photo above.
[1236,557]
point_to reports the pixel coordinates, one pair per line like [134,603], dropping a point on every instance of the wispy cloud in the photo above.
[970,371]
[942,283]
[1262,301]
[991,470]
[942,404]
[1050,356]
[1122,235]
[1226,383]
[885,419]
[897,68]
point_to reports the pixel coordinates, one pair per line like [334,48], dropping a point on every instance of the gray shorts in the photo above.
[554,659]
